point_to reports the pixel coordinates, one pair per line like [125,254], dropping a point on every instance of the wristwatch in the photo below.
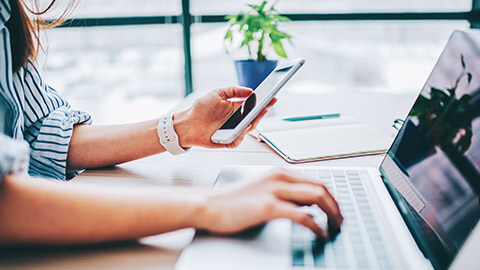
[168,137]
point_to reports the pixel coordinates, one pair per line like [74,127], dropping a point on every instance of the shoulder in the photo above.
[4,11]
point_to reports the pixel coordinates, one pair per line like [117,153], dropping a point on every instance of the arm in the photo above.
[45,212]
[100,146]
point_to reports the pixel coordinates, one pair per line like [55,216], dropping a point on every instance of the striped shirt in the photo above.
[35,112]
[13,156]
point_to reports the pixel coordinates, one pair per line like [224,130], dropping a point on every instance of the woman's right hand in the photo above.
[280,194]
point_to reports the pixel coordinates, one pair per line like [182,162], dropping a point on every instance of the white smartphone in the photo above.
[255,103]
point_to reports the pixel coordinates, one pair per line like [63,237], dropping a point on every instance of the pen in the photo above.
[311,117]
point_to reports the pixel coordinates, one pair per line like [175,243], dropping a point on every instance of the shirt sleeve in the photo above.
[13,156]
[49,122]
[4,11]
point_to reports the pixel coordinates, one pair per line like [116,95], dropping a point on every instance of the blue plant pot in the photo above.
[251,73]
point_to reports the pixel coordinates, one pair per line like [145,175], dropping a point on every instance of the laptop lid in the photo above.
[432,170]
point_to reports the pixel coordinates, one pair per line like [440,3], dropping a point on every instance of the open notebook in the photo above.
[322,139]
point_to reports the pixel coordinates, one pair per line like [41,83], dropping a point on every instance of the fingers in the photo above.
[262,114]
[293,212]
[234,92]
[227,93]
[306,194]
[240,138]
[291,177]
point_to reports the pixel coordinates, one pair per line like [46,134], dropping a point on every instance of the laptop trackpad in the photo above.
[263,247]
[270,249]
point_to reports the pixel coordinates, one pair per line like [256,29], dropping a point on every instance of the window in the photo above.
[120,68]
[379,56]
[132,62]
[199,7]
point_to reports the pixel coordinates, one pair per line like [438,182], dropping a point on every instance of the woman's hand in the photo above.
[196,125]
[281,194]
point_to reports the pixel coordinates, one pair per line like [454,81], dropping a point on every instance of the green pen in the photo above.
[311,117]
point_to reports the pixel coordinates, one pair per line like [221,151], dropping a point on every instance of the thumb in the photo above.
[234,92]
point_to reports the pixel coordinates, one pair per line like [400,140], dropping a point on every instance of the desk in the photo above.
[199,167]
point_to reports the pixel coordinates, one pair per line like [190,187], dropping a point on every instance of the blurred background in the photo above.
[124,60]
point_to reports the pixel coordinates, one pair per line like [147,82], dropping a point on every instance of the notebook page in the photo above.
[270,124]
[328,141]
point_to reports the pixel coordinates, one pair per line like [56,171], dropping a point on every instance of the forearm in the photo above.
[38,211]
[101,146]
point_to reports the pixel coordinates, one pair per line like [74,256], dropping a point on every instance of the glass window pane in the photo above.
[393,57]
[113,8]
[112,71]
[324,6]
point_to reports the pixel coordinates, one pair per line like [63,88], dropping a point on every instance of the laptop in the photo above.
[419,210]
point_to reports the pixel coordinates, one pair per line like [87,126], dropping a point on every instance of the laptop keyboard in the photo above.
[359,245]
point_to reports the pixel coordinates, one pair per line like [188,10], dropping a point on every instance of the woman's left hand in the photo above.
[196,125]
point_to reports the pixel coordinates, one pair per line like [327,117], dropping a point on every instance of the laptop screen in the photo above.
[433,167]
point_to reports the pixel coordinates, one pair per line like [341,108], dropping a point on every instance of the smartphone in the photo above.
[256,102]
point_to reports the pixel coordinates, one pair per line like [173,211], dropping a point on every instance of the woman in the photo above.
[60,141]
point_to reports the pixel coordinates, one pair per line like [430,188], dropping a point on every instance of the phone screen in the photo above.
[261,93]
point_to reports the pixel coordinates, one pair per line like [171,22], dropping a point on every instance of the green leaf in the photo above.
[240,17]
[469,77]
[278,35]
[465,99]
[281,18]
[257,25]
[228,35]
[262,6]
[278,48]
[421,106]
[438,95]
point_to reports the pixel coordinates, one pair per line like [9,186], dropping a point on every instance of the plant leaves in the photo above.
[463,61]
[281,18]
[228,35]
[420,107]
[278,48]
[469,77]
[258,25]
[438,95]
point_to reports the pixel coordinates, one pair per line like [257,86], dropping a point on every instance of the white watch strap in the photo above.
[167,135]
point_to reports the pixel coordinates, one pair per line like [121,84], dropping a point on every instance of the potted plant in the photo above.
[259,29]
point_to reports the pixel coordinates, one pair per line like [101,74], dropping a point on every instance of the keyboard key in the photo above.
[310,174]
[337,173]
[354,180]
[341,260]
[362,262]
[324,173]
[298,256]
[384,263]
[340,181]
[318,252]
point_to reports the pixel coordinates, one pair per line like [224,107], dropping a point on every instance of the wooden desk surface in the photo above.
[199,167]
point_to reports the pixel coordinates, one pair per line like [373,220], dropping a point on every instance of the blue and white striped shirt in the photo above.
[13,156]
[35,112]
